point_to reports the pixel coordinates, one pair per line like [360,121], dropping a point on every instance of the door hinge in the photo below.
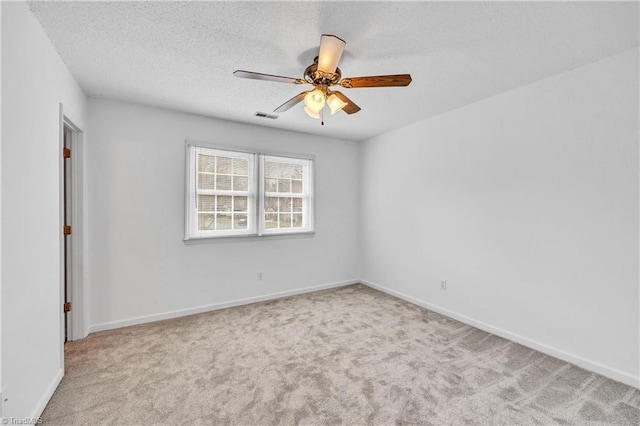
[66,153]
[66,307]
[66,230]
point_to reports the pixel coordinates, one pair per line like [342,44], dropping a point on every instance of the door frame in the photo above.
[77,272]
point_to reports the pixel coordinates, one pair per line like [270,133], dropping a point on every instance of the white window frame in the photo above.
[192,230]
[256,214]
[306,195]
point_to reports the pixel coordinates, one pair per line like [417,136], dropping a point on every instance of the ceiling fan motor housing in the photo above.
[314,76]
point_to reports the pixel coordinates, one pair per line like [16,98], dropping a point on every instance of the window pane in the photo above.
[271,220]
[206,222]
[240,183]
[205,181]
[223,165]
[284,170]
[223,182]
[297,220]
[223,221]
[239,204]
[239,221]
[271,185]
[285,204]
[297,204]
[296,171]
[271,169]
[284,185]
[285,220]
[206,163]
[224,203]
[240,167]
[206,203]
[271,204]
[296,186]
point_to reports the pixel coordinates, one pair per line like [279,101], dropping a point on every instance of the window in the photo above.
[242,193]
[222,194]
[287,195]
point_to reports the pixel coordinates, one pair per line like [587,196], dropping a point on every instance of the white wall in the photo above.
[34,82]
[527,204]
[139,265]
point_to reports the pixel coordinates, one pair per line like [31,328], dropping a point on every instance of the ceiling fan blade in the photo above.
[331,48]
[350,108]
[291,102]
[266,77]
[376,81]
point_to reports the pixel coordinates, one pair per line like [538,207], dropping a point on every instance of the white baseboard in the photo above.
[42,404]
[596,367]
[214,306]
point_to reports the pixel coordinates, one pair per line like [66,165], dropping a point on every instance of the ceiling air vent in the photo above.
[265,115]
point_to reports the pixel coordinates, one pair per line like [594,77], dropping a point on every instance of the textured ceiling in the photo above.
[181,55]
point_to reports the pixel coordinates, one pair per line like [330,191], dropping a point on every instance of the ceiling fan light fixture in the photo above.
[335,103]
[311,113]
[314,100]
[322,75]
[331,48]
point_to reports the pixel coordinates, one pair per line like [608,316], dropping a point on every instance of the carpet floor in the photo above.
[351,355]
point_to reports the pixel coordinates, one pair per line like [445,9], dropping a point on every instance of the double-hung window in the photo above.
[287,195]
[244,193]
[222,193]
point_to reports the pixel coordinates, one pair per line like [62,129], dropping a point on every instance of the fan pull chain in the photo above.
[322,117]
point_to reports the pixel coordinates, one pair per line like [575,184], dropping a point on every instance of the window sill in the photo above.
[239,238]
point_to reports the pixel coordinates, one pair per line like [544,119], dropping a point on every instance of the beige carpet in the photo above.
[350,356]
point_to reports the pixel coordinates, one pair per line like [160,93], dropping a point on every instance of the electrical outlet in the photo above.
[260,276]
[443,285]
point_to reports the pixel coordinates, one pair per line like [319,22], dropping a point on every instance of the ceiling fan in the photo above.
[324,74]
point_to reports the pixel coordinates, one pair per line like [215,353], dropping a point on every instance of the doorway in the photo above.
[67,196]
[71,243]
